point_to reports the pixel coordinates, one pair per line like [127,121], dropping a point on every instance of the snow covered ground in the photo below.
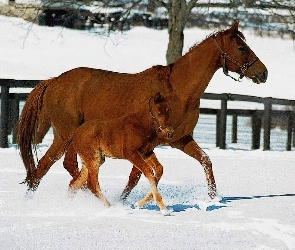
[257,209]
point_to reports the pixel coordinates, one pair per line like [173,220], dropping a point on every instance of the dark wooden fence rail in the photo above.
[257,116]
[10,114]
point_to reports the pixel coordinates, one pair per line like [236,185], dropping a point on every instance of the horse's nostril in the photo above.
[170,134]
[265,74]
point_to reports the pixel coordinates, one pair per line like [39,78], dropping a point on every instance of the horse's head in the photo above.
[160,113]
[237,56]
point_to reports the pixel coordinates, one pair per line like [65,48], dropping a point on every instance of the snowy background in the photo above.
[258,190]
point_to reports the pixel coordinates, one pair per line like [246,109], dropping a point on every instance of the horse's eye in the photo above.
[242,48]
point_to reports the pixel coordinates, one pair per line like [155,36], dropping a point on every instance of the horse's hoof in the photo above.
[29,194]
[217,198]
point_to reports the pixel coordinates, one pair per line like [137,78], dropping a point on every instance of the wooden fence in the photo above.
[10,113]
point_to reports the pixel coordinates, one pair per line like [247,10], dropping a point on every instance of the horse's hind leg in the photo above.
[70,162]
[54,152]
[134,177]
[43,128]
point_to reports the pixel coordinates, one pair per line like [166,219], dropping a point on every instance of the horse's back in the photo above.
[83,94]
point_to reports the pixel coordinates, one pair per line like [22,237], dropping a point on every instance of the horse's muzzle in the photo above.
[168,132]
[260,77]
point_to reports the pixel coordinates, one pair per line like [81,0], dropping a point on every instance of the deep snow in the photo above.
[257,210]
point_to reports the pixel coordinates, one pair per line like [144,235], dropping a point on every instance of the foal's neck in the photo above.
[144,120]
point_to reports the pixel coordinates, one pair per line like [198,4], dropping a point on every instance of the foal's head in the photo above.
[160,113]
[237,56]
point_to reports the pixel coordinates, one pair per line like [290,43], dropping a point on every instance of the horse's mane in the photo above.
[216,33]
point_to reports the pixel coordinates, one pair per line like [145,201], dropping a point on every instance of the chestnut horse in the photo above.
[83,94]
[132,137]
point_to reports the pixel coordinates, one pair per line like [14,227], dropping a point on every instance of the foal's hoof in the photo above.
[166,212]
[135,206]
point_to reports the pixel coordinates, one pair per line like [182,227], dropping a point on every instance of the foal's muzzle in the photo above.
[168,132]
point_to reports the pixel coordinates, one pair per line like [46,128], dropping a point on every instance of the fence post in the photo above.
[267,120]
[289,131]
[256,130]
[223,116]
[234,137]
[217,128]
[14,116]
[4,116]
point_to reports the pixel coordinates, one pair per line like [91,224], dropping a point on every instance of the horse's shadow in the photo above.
[223,203]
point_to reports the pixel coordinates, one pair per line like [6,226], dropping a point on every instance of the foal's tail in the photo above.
[27,129]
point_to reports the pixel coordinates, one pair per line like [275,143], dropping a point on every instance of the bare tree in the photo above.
[278,15]
[179,11]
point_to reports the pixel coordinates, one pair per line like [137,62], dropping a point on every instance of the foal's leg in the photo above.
[92,181]
[147,170]
[80,180]
[136,173]
[153,162]
[91,161]
[191,148]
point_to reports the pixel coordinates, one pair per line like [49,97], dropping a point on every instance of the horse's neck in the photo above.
[192,73]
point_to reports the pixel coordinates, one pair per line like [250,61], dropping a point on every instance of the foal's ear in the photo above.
[235,27]
[158,98]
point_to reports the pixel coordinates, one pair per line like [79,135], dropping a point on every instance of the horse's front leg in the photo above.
[191,148]
[135,174]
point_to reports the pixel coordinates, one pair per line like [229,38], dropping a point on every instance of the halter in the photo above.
[243,68]
[160,128]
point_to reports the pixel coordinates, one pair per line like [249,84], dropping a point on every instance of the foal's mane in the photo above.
[216,33]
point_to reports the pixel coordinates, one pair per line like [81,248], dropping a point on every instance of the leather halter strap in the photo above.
[160,128]
[243,67]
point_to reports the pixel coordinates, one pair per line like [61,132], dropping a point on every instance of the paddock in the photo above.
[256,212]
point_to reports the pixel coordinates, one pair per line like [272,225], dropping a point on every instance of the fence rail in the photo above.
[10,114]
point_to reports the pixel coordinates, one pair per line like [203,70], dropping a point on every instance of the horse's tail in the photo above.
[27,128]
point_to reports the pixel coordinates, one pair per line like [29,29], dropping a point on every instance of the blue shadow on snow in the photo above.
[223,203]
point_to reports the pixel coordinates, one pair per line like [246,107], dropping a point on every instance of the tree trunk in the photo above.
[179,12]
[175,44]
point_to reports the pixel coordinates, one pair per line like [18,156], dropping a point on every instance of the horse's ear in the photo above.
[158,98]
[235,27]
